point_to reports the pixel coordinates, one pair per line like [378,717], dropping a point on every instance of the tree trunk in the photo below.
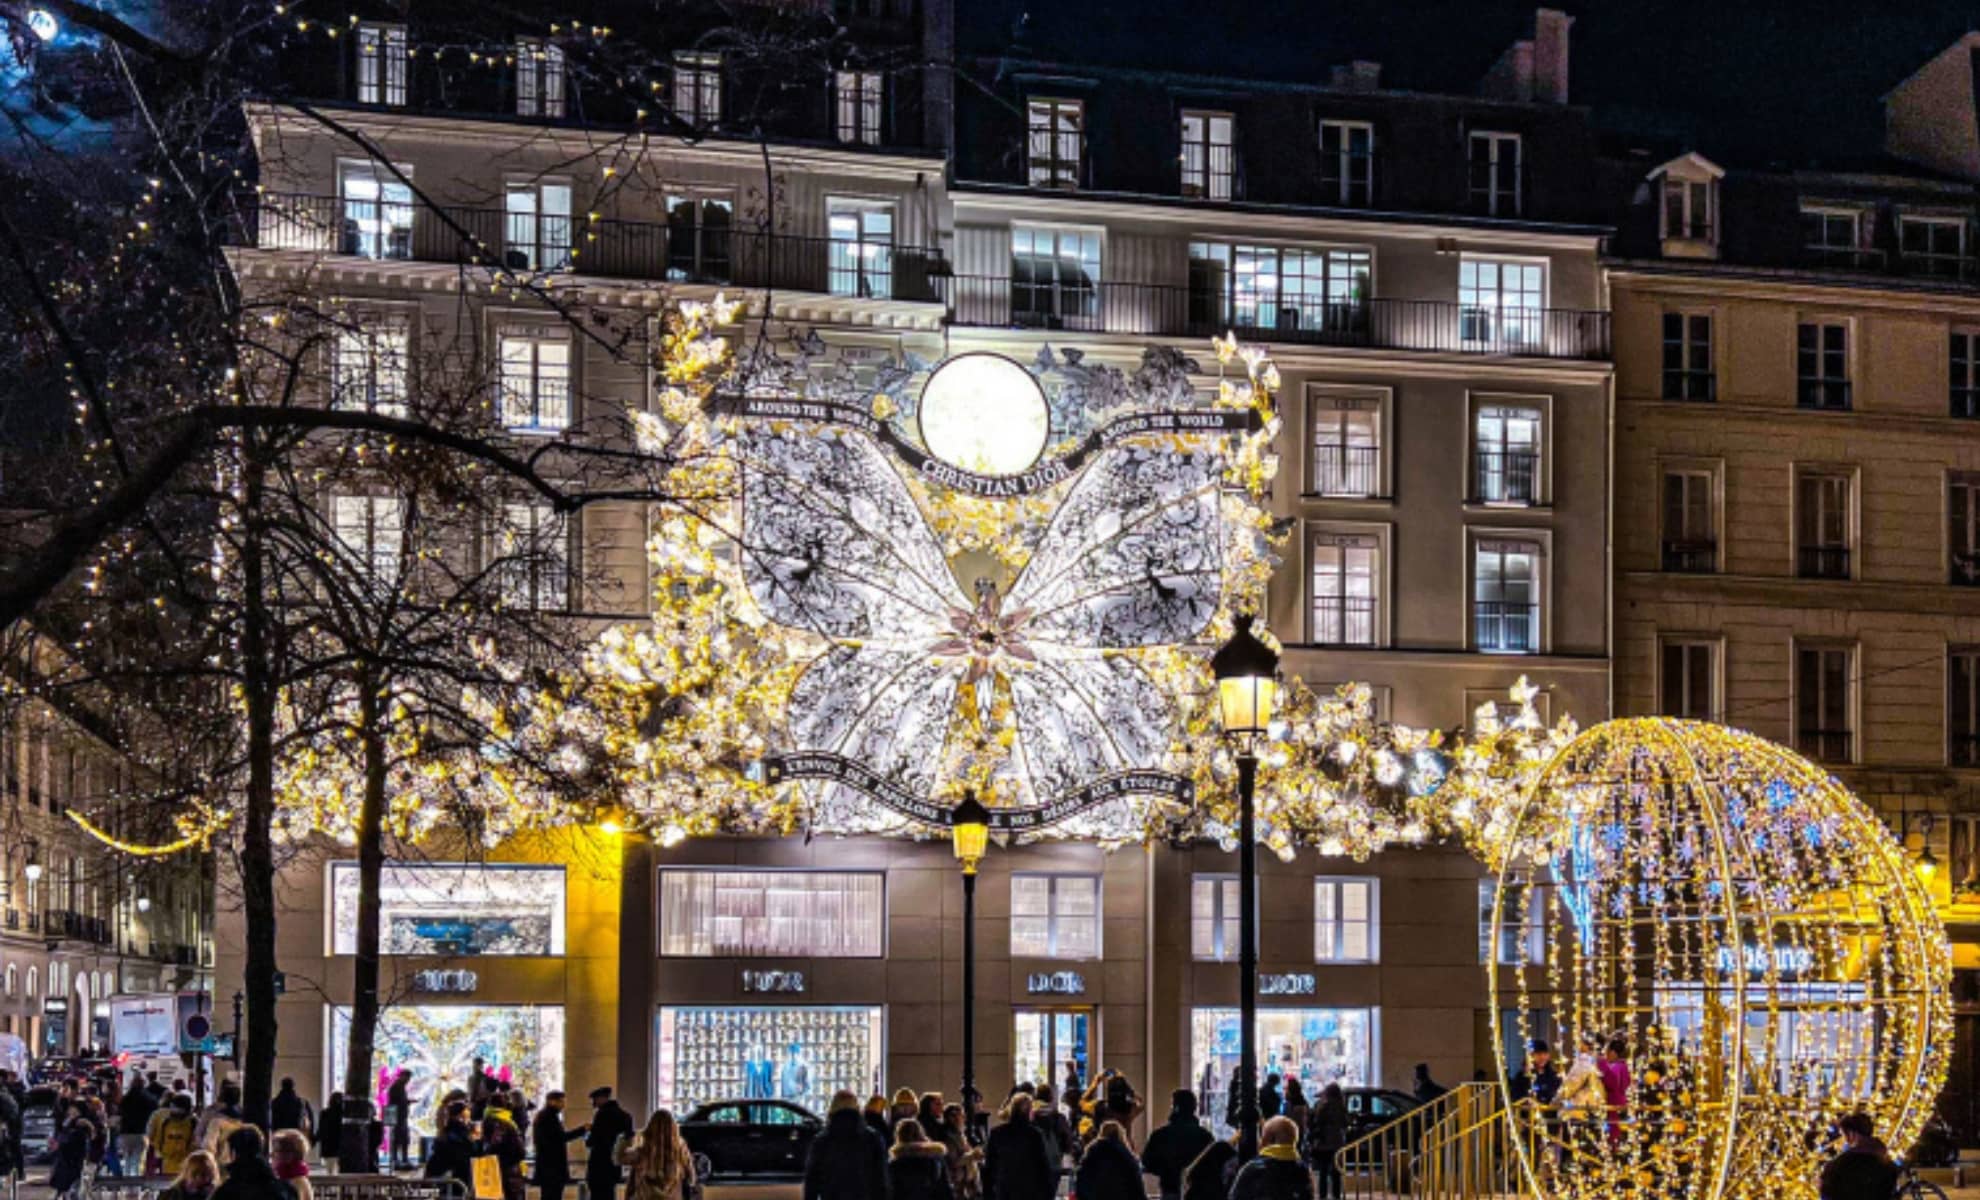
[257,860]
[371,867]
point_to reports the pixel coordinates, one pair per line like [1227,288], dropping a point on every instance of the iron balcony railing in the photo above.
[683,253]
[1502,627]
[1823,562]
[1344,620]
[1344,471]
[1442,326]
[1691,557]
[1506,476]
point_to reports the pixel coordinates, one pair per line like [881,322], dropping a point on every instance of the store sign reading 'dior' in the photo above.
[446,981]
[1055,983]
[773,981]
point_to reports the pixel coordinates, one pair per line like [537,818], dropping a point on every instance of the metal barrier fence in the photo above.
[325,1187]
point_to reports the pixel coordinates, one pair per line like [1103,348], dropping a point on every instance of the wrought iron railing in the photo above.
[1506,476]
[1691,557]
[1502,627]
[1344,620]
[1345,471]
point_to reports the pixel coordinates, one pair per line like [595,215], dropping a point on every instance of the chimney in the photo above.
[1358,76]
[1550,55]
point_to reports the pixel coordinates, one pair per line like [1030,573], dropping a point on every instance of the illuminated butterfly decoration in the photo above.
[833,542]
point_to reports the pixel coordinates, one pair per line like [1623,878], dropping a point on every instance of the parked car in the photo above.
[1370,1108]
[749,1137]
[38,1125]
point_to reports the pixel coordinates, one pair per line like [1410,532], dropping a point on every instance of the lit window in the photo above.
[1055,916]
[377,212]
[381,64]
[1496,173]
[1522,939]
[536,227]
[1963,708]
[1214,918]
[1347,163]
[1690,533]
[730,913]
[858,96]
[1344,920]
[1824,712]
[1347,583]
[1687,212]
[535,381]
[1055,277]
[368,368]
[1317,294]
[1963,376]
[862,250]
[1209,158]
[1347,444]
[454,909]
[1506,454]
[1835,237]
[1963,528]
[1822,365]
[698,238]
[1934,246]
[1502,304]
[1505,574]
[1687,678]
[535,549]
[1688,373]
[372,530]
[1824,522]
[1055,142]
[539,78]
[698,86]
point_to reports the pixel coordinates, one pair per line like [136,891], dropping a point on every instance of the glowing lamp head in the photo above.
[1247,672]
[1927,865]
[32,871]
[43,24]
[969,831]
[144,904]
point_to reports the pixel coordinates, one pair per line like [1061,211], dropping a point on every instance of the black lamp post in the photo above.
[969,831]
[1247,690]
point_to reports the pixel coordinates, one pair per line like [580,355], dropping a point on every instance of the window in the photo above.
[1835,236]
[368,368]
[857,100]
[539,78]
[381,64]
[698,228]
[1347,444]
[1209,156]
[1505,576]
[1964,374]
[1501,304]
[535,381]
[1824,715]
[1495,173]
[378,212]
[1506,454]
[1055,277]
[1522,939]
[535,549]
[372,529]
[1933,246]
[1055,143]
[465,909]
[1687,211]
[1691,539]
[1214,918]
[1347,585]
[1822,364]
[1687,678]
[1347,163]
[1823,523]
[536,227]
[1688,373]
[1055,916]
[862,257]
[731,913]
[1963,708]
[698,86]
[1963,528]
[1344,920]
[1289,289]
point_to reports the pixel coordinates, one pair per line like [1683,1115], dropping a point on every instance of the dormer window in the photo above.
[1687,197]
[1688,209]
[1837,235]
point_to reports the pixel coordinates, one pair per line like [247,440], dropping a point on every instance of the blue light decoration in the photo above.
[1779,794]
[43,24]
[1428,768]
[1581,869]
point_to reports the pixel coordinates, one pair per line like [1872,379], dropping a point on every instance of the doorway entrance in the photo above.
[1046,1039]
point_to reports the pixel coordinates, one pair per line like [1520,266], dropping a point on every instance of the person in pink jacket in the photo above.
[1615,1085]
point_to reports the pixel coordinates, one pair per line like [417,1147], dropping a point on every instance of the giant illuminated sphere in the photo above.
[984,413]
[1754,935]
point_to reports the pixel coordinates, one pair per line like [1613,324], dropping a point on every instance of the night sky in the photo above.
[1754,81]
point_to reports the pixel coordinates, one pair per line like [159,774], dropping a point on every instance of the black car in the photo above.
[749,1137]
[1371,1108]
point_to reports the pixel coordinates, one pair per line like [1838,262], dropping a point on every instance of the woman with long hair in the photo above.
[198,1177]
[658,1166]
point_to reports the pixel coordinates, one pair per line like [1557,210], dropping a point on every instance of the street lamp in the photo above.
[1247,690]
[969,831]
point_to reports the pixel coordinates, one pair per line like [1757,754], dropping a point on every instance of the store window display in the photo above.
[454,909]
[523,1046]
[1318,1046]
[800,1053]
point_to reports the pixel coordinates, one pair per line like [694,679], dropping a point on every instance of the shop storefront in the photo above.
[1044,1040]
[800,1053]
[1318,1046]
[523,1045]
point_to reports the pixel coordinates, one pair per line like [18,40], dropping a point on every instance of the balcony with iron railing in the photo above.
[617,249]
[1346,472]
[1344,620]
[1694,556]
[1505,627]
[1822,562]
[1505,476]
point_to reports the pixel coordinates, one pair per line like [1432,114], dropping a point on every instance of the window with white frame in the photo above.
[1506,595]
[539,78]
[698,241]
[1522,926]
[1347,587]
[535,381]
[1963,528]
[1055,916]
[1824,521]
[1822,364]
[857,98]
[1506,449]
[1346,432]
[1963,708]
[1963,373]
[1501,303]
[372,530]
[726,912]
[1690,538]
[1347,163]
[368,367]
[1835,236]
[1292,289]
[377,211]
[1688,209]
[1214,918]
[1495,173]
[1345,919]
[1824,702]
[1688,677]
[862,247]
[1209,155]
[536,226]
[381,64]
[698,86]
[534,549]
[1055,142]
[1055,276]
[1688,373]
[1934,246]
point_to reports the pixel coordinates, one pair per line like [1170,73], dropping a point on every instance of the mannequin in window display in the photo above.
[759,1073]
[794,1078]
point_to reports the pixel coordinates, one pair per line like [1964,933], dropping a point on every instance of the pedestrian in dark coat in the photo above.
[917,1169]
[1015,1164]
[71,1152]
[1864,1170]
[552,1143]
[847,1161]
[287,1110]
[1326,1133]
[1268,1098]
[1277,1173]
[330,1127]
[250,1176]
[452,1156]
[500,1137]
[1209,1177]
[1175,1145]
[609,1123]
[1109,1170]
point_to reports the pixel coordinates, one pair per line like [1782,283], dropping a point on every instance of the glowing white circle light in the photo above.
[43,23]
[984,413]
